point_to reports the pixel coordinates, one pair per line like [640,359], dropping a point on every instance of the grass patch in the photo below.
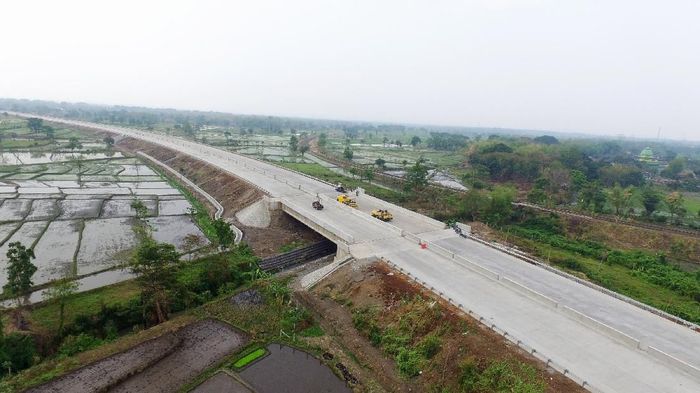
[320,172]
[639,275]
[313,331]
[46,314]
[291,246]
[249,358]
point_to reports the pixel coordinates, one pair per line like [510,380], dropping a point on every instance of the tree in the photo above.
[142,228]
[109,141]
[59,293]
[369,174]
[675,202]
[592,197]
[188,129]
[154,265]
[674,168]
[385,141]
[650,200]
[303,147]
[224,233]
[416,176]
[191,243]
[499,208]
[49,131]
[547,140]
[227,134]
[74,143]
[620,198]
[347,153]
[380,162]
[293,143]
[20,270]
[415,141]
[35,124]
[322,140]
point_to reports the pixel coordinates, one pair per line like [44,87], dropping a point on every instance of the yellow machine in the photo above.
[383,215]
[342,198]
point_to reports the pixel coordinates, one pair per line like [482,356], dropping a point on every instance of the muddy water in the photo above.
[25,158]
[290,370]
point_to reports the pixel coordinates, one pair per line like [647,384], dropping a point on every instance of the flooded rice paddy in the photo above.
[75,211]
[296,370]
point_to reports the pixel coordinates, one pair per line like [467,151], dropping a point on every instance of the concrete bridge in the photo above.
[605,343]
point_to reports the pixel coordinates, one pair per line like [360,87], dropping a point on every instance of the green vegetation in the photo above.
[249,358]
[291,246]
[198,212]
[323,173]
[414,332]
[94,318]
[649,278]
[500,376]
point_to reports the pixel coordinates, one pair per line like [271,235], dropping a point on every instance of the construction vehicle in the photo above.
[317,205]
[382,214]
[344,199]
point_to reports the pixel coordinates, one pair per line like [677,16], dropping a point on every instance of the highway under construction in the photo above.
[602,341]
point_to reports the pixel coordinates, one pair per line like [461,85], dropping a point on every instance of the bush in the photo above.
[468,375]
[409,362]
[17,351]
[430,345]
[394,341]
[569,263]
[76,344]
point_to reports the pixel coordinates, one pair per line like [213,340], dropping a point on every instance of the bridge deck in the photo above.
[592,354]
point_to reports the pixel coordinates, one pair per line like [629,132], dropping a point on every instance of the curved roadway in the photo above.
[637,352]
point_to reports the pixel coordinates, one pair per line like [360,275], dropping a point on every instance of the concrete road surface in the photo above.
[611,345]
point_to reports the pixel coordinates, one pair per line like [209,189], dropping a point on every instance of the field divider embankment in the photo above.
[548,361]
[189,183]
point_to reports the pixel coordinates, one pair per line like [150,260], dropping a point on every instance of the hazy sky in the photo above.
[605,67]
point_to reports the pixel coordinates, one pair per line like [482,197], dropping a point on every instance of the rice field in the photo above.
[75,210]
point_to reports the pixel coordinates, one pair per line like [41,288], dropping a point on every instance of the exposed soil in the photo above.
[376,285]
[163,364]
[233,193]
[100,375]
[202,345]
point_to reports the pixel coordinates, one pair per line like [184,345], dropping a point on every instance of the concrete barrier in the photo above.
[476,267]
[441,251]
[522,256]
[601,327]
[325,228]
[668,359]
[528,292]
